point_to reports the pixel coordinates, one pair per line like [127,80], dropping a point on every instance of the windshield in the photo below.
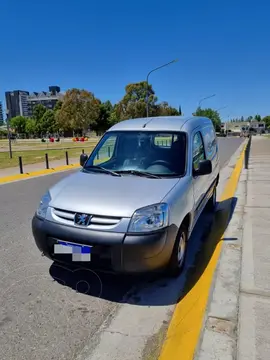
[162,154]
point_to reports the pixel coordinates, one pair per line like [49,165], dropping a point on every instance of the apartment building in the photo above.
[22,103]
[46,98]
[16,103]
[1,114]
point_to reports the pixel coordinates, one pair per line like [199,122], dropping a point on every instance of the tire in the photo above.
[178,256]
[212,202]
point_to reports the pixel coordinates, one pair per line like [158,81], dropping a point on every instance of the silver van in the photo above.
[132,206]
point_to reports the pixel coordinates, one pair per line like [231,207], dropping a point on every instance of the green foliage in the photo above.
[211,114]
[133,104]
[43,121]
[3,133]
[48,123]
[114,118]
[266,119]
[58,106]
[30,127]
[80,110]
[18,123]
[103,122]
[164,109]
[38,112]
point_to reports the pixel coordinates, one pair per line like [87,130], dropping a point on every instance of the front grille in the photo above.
[96,222]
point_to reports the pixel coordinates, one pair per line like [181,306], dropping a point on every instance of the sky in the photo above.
[222,47]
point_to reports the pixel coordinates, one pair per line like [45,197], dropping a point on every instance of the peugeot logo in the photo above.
[82,219]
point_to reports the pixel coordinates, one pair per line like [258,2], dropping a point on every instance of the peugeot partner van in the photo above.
[132,206]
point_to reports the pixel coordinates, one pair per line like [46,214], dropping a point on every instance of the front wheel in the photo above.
[178,257]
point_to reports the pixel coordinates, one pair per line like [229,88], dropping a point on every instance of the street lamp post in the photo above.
[226,124]
[147,84]
[9,138]
[224,107]
[207,97]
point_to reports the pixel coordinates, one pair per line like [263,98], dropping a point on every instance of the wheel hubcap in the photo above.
[181,249]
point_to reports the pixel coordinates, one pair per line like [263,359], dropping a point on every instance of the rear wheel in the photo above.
[178,257]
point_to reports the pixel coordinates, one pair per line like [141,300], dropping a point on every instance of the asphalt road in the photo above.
[39,317]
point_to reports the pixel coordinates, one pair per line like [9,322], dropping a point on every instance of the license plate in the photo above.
[78,252]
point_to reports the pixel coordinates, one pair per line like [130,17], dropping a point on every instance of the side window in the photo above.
[106,151]
[197,150]
[210,141]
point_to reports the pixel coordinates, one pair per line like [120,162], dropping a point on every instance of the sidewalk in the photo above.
[37,167]
[254,315]
[237,323]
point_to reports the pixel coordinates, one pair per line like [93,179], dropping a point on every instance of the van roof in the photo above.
[162,123]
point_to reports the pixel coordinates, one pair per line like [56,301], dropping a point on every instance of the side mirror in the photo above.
[205,168]
[83,159]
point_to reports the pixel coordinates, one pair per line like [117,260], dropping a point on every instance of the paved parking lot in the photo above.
[47,311]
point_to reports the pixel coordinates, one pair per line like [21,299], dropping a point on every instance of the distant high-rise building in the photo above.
[46,98]
[1,114]
[22,103]
[16,103]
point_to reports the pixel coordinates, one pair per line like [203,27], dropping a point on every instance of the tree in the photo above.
[103,122]
[164,109]
[58,106]
[133,104]
[48,123]
[80,110]
[30,127]
[211,114]
[257,118]
[38,112]
[3,132]
[114,118]
[56,111]
[18,123]
[266,119]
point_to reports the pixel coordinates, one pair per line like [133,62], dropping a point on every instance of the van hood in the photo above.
[103,194]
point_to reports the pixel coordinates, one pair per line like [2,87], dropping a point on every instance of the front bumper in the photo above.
[117,252]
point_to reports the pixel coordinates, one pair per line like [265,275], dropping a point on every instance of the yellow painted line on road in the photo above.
[17,177]
[185,327]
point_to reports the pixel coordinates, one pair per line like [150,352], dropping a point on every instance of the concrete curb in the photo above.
[12,178]
[218,339]
[185,334]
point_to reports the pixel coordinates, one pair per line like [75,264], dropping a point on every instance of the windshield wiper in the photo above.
[139,173]
[101,169]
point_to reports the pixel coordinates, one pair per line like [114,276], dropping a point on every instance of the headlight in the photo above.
[43,205]
[150,218]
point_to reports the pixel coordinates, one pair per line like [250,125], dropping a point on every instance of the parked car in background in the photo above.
[133,205]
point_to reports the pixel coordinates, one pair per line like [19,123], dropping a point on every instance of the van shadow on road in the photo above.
[154,289]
